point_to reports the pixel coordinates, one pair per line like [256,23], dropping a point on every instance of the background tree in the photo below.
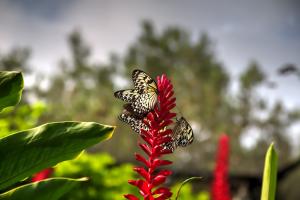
[15,60]
[202,88]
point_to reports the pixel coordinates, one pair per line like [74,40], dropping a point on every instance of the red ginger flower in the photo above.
[46,173]
[155,137]
[220,185]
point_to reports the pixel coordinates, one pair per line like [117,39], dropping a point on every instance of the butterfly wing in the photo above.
[127,95]
[143,82]
[136,123]
[144,103]
[170,146]
[183,133]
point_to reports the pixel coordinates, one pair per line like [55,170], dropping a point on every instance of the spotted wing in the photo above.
[144,103]
[127,95]
[170,146]
[182,133]
[143,82]
[134,121]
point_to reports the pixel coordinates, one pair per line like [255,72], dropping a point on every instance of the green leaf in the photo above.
[270,175]
[27,152]
[48,189]
[11,86]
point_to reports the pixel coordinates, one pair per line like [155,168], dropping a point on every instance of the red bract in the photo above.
[220,186]
[154,138]
[46,173]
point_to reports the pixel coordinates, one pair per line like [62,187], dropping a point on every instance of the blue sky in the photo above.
[267,31]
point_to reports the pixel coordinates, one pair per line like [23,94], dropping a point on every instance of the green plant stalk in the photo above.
[183,183]
[270,175]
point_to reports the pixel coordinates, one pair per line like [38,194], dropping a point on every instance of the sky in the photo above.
[267,31]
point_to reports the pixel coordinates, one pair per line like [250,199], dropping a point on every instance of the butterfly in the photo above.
[136,123]
[143,97]
[182,135]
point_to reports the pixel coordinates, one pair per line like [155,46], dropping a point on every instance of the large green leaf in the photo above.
[30,151]
[11,86]
[270,175]
[48,189]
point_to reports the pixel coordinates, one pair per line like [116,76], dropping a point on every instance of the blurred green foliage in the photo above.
[106,179]
[21,117]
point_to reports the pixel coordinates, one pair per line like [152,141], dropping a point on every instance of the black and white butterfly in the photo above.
[143,97]
[182,135]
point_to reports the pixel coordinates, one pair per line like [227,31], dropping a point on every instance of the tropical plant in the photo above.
[26,152]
